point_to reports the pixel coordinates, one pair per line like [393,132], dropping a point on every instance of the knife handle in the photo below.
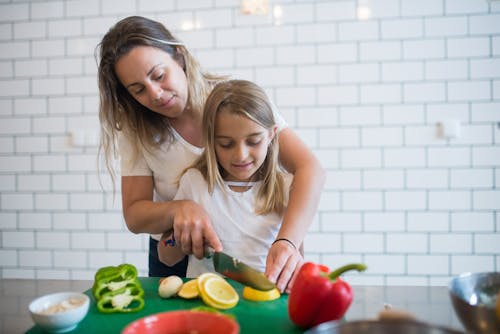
[209,252]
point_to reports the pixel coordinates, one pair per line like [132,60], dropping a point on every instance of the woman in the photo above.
[152,94]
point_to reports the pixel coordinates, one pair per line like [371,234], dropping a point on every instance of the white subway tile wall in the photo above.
[371,86]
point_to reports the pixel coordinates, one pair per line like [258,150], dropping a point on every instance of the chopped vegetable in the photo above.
[169,286]
[189,290]
[216,292]
[117,289]
[114,278]
[127,299]
[205,309]
[212,310]
[252,294]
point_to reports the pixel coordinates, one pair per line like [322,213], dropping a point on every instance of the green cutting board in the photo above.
[253,317]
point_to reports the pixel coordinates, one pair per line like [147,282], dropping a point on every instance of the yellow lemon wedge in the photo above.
[189,290]
[217,293]
[259,295]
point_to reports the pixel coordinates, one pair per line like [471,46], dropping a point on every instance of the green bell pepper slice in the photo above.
[117,289]
[124,300]
[114,278]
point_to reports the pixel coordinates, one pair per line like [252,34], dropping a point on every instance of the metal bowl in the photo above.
[380,327]
[474,299]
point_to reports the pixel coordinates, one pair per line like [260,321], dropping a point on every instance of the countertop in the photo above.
[430,304]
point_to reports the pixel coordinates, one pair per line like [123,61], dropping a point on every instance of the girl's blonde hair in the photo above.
[243,98]
[118,110]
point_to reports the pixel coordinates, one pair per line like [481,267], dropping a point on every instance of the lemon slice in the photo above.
[189,290]
[259,295]
[203,277]
[217,293]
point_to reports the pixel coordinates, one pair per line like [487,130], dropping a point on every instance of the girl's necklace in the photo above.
[240,183]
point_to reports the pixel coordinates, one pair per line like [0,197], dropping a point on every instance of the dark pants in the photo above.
[158,269]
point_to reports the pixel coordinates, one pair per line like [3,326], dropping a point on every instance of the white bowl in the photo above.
[64,316]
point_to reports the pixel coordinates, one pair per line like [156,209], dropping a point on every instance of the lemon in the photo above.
[203,277]
[189,290]
[259,295]
[201,280]
[216,292]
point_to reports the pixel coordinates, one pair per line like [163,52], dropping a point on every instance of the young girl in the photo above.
[237,179]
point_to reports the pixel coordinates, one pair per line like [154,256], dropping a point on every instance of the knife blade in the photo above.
[239,271]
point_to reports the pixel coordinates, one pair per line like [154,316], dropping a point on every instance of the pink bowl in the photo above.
[183,322]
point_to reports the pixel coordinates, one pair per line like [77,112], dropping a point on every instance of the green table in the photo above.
[253,317]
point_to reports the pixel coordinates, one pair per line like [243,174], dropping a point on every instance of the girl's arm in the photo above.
[189,220]
[284,260]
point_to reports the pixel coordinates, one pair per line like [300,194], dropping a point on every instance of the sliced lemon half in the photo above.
[259,295]
[189,290]
[217,293]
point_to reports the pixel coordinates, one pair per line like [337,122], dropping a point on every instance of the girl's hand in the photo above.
[283,264]
[193,230]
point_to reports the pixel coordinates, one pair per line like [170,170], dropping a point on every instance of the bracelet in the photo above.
[284,239]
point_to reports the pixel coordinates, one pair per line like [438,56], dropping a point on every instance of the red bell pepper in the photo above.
[319,295]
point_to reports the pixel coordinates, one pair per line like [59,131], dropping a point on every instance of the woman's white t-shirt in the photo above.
[165,163]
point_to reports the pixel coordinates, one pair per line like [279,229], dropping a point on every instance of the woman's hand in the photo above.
[283,264]
[193,229]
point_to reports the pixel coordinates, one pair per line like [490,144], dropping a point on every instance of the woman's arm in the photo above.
[308,180]
[189,220]
[169,252]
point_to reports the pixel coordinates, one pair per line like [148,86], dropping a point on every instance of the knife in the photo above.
[236,270]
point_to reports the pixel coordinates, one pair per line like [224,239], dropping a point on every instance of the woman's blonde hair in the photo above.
[243,98]
[118,110]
